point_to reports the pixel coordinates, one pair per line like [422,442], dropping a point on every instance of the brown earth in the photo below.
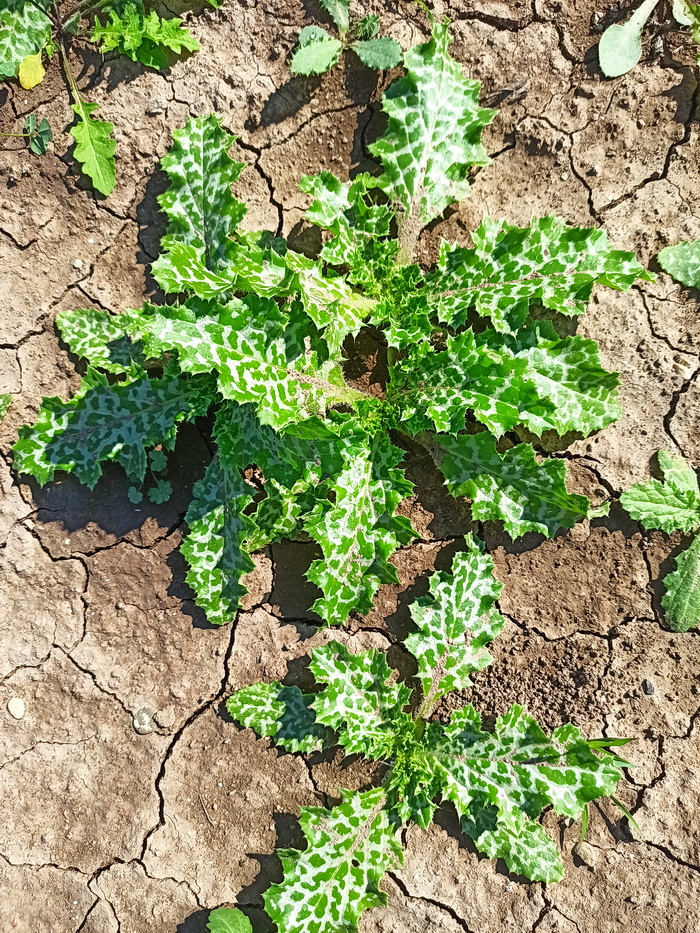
[108,830]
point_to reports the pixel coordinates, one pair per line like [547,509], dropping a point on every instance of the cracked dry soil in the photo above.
[104,830]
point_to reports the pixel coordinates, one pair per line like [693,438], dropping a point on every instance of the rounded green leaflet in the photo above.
[682,262]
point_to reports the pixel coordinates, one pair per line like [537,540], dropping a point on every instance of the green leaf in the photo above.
[361,701]
[514,488]
[359,227]
[182,268]
[620,46]
[359,531]
[439,388]
[107,341]
[108,422]
[143,37]
[5,402]
[158,460]
[253,363]
[573,391]
[94,147]
[326,887]
[433,137]
[218,528]
[25,28]
[338,10]
[228,920]
[134,495]
[317,52]
[223,532]
[367,27]
[500,782]
[41,135]
[330,302]
[279,712]
[454,623]
[511,268]
[682,262]
[201,210]
[678,472]
[681,601]
[380,53]
[161,492]
[673,504]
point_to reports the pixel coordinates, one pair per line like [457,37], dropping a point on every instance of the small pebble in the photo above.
[587,854]
[16,707]
[77,263]
[143,722]
[648,687]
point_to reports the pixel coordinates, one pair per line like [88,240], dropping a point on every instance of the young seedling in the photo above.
[499,781]
[33,29]
[620,47]
[672,505]
[319,51]
[259,338]
[38,136]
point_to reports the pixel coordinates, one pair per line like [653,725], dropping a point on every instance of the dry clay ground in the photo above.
[107,830]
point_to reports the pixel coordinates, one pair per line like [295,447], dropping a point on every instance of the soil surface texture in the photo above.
[130,801]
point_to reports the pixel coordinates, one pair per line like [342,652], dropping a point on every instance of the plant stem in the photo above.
[24,135]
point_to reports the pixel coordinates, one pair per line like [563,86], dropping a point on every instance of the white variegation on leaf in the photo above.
[326,887]
[361,701]
[105,422]
[254,363]
[201,209]
[25,28]
[358,531]
[511,268]
[278,712]
[500,782]
[526,495]
[455,622]
[433,137]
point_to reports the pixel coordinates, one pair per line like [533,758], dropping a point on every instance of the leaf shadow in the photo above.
[447,819]
[152,223]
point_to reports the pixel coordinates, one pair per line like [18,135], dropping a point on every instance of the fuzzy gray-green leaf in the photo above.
[682,262]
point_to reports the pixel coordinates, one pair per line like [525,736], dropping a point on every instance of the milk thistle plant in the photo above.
[257,336]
